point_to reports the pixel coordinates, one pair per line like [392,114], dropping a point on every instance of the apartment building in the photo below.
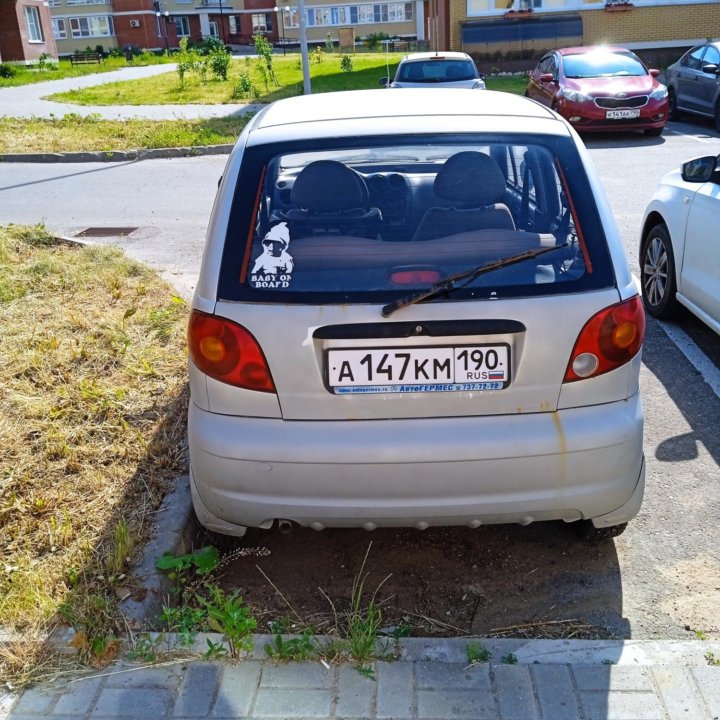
[487,26]
[325,18]
[25,31]
[480,27]
[158,24]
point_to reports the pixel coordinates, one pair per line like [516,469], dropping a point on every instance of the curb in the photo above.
[173,530]
[502,651]
[116,155]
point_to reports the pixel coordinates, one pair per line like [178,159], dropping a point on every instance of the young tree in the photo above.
[264,51]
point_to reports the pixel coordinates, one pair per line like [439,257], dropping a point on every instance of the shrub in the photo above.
[374,39]
[7,71]
[220,63]
[346,63]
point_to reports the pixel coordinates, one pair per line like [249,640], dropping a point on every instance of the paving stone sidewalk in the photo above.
[550,680]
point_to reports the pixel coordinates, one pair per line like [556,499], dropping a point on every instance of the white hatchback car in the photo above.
[414,309]
[679,248]
[436,69]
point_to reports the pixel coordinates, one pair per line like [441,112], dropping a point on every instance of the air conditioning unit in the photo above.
[134,23]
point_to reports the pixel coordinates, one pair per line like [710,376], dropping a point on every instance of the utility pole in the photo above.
[304,47]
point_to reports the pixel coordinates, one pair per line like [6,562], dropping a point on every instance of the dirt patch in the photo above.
[700,580]
[536,581]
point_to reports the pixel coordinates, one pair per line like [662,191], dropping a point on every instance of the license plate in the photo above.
[622,114]
[419,369]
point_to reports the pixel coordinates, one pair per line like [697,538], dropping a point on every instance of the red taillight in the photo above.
[227,352]
[609,339]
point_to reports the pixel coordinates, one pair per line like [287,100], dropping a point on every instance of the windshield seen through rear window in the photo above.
[436,71]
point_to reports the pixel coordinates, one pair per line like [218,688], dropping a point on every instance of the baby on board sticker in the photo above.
[273,268]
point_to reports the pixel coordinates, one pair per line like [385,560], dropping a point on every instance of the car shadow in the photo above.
[687,390]
[620,139]
[494,581]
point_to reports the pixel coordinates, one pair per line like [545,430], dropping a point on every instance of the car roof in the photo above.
[449,55]
[585,49]
[362,106]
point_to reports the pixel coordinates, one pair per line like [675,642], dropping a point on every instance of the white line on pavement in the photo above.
[698,359]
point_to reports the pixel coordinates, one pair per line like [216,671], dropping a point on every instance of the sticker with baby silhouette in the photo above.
[273,267]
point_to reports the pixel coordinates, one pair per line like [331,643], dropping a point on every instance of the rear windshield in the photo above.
[436,71]
[372,222]
[597,64]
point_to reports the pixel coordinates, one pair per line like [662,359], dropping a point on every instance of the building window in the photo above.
[91,26]
[353,14]
[32,20]
[86,2]
[262,22]
[233,24]
[59,28]
[214,29]
[54,3]
[182,26]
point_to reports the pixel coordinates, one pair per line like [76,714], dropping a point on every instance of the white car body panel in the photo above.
[690,212]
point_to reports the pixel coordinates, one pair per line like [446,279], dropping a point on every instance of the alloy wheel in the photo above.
[655,271]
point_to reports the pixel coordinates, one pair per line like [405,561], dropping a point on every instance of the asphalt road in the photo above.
[665,569]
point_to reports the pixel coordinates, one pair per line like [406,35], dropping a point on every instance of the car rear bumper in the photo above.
[571,464]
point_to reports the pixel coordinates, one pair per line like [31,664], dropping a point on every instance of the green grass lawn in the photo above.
[75,133]
[325,76]
[27,75]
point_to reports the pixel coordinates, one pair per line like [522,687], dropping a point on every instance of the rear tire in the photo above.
[717,116]
[657,273]
[673,112]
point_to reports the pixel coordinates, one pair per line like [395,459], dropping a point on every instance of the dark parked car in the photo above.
[598,88]
[694,83]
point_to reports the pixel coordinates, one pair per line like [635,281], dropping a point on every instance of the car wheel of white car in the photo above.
[657,273]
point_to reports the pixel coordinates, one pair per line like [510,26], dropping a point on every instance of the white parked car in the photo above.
[679,249]
[414,309]
[436,69]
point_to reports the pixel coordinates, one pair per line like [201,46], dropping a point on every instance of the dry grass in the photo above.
[73,133]
[92,427]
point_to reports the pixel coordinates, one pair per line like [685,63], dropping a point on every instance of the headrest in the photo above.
[329,186]
[470,178]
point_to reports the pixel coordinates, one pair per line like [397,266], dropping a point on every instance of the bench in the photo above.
[86,58]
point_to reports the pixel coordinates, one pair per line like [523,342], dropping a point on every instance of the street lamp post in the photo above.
[281,12]
[166,18]
[222,23]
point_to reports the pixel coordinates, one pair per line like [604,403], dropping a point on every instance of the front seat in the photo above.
[331,198]
[473,186]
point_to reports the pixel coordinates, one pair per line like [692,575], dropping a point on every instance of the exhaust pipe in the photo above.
[285,526]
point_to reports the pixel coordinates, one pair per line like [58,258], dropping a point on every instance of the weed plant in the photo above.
[477,653]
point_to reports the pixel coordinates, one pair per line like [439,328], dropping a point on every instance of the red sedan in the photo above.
[600,89]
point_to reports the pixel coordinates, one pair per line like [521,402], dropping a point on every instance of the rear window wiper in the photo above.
[448,284]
